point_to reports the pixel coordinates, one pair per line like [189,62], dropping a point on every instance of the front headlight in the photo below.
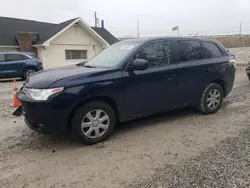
[42,94]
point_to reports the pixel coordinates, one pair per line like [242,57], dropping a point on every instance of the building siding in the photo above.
[75,38]
[8,49]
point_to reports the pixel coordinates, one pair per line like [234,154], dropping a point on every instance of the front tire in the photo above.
[93,122]
[28,72]
[211,99]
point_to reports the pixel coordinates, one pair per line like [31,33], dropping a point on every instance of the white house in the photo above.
[61,44]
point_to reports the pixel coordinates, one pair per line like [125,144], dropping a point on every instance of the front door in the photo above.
[2,72]
[155,88]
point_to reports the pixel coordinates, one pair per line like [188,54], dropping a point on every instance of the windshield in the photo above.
[113,55]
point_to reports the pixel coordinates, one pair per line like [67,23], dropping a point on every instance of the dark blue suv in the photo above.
[128,80]
[18,64]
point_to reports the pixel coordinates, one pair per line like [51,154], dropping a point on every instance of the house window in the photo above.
[75,54]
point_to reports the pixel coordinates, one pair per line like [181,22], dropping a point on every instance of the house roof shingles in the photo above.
[9,26]
[105,34]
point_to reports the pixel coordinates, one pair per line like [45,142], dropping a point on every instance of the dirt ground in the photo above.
[157,151]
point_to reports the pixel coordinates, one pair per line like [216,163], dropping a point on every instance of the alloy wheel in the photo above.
[213,99]
[29,72]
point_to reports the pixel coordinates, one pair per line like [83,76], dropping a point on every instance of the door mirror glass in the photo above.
[140,64]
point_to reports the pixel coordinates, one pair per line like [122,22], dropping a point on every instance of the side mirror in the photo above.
[140,64]
[232,55]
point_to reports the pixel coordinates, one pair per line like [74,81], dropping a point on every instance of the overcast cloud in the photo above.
[156,17]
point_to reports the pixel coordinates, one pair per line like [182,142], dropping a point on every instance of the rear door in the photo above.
[13,64]
[193,70]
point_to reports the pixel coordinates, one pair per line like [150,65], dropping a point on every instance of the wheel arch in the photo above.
[222,84]
[105,99]
[26,68]
[29,67]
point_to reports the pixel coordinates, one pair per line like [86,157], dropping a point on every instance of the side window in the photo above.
[14,57]
[190,50]
[1,57]
[212,50]
[156,53]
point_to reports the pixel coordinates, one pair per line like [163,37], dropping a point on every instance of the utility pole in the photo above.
[138,27]
[240,34]
[95,17]
[240,29]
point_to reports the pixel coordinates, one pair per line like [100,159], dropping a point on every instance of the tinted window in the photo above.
[211,49]
[190,50]
[15,57]
[76,54]
[1,57]
[156,53]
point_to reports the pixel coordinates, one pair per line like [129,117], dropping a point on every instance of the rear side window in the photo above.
[212,50]
[15,57]
[1,57]
[190,50]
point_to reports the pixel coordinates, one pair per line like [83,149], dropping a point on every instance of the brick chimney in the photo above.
[25,40]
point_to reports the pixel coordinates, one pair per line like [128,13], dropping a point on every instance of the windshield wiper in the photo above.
[89,66]
[81,64]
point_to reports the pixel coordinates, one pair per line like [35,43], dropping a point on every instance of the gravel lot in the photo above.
[176,149]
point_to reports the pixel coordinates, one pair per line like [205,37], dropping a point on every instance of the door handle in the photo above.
[207,69]
[169,76]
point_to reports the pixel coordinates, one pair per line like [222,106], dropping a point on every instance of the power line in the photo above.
[124,13]
[138,31]
[240,29]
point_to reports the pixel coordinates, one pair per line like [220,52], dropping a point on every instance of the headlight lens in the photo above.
[42,94]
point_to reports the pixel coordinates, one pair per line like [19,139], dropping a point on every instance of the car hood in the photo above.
[46,78]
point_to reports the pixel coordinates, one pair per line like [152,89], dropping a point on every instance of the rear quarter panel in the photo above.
[225,71]
[31,63]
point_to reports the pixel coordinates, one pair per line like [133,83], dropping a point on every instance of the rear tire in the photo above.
[28,72]
[211,99]
[93,122]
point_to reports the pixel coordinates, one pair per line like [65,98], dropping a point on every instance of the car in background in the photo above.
[248,70]
[18,64]
[128,80]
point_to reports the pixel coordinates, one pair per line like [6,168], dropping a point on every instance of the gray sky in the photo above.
[156,17]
